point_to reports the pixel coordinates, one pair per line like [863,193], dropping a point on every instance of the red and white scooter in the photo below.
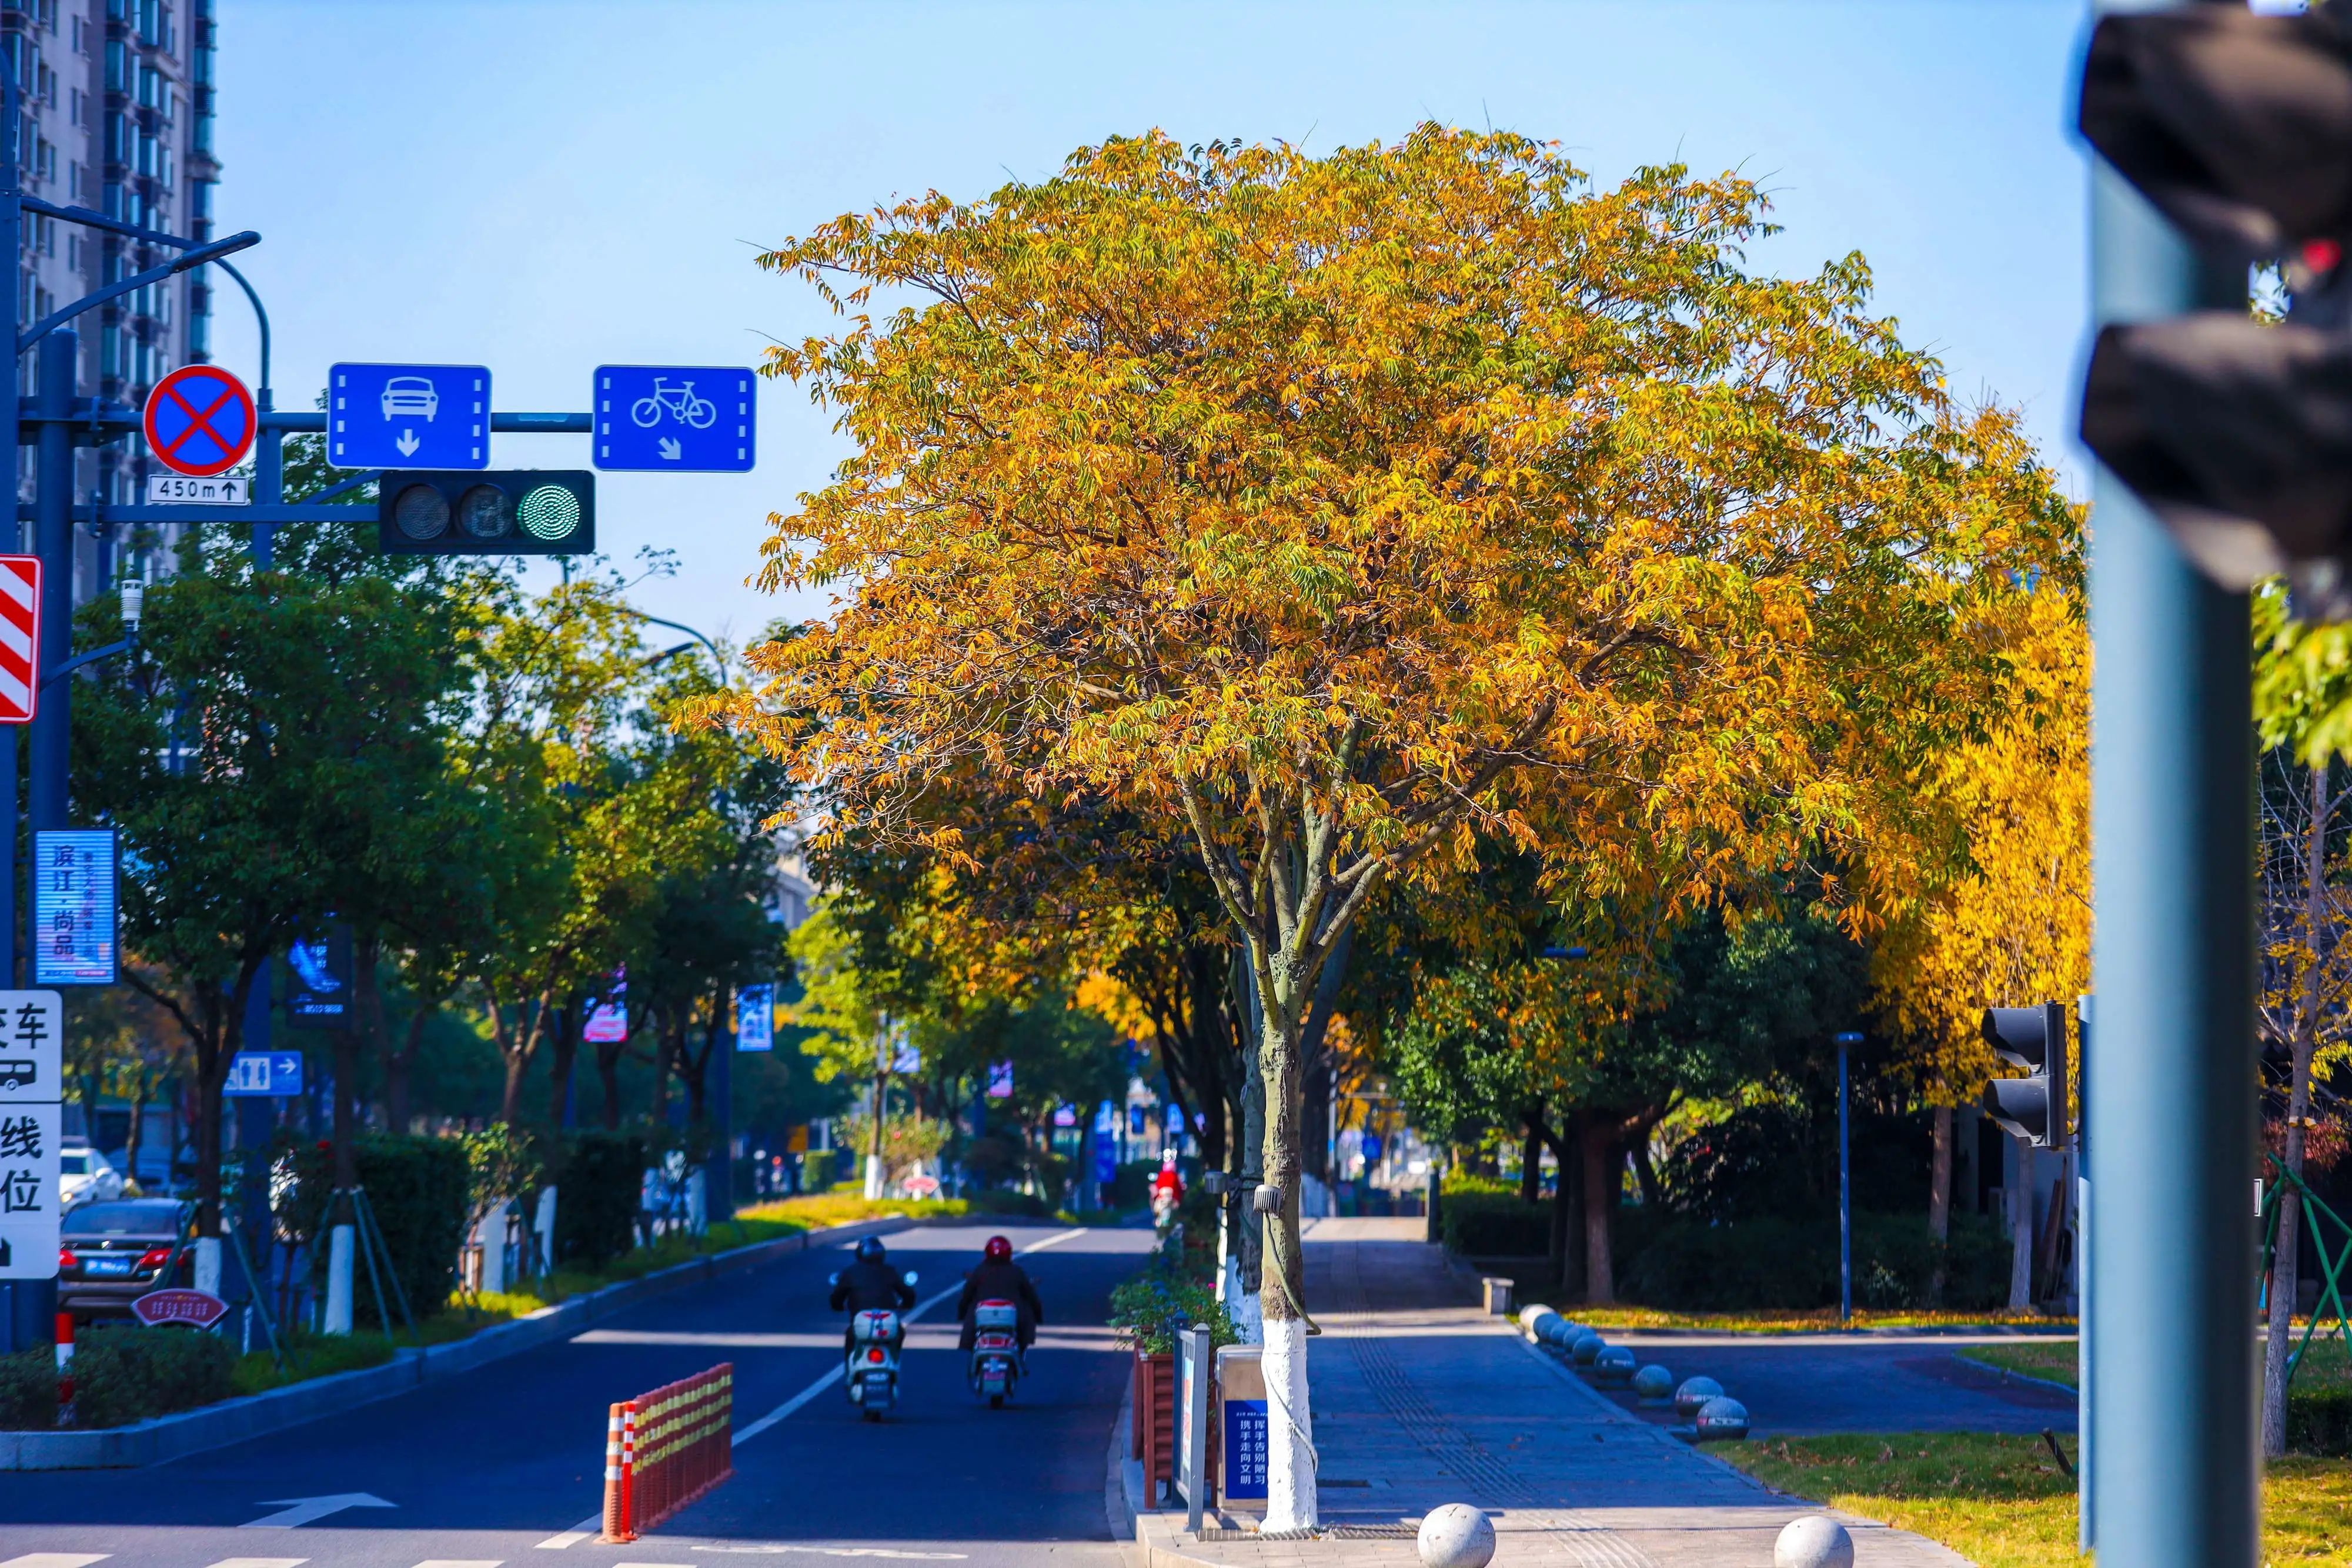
[995,1366]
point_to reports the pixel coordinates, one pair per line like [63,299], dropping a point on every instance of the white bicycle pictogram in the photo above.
[699,412]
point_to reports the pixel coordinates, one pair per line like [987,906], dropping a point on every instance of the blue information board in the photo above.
[674,418]
[73,907]
[263,1075]
[408,417]
[1245,1453]
[755,1017]
[1371,1148]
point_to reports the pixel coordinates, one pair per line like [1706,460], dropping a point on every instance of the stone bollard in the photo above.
[1614,1367]
[1694,1394]
[1535,1317]
[1456,1536]
[1654,1383]
[1814,1541]
[1586,1348]
[1722,1419]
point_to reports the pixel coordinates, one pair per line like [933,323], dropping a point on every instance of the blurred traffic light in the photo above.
[521,511]
[2238,435]
[2033,1107]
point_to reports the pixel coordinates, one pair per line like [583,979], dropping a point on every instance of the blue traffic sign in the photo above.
[674,418]
[408,417]
[264,1074]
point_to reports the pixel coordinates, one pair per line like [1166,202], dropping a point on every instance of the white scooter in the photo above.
[995,1366]
[870,1375]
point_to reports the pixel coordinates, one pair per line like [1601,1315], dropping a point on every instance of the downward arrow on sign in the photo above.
[671,450]
[408,443]
[294,1511]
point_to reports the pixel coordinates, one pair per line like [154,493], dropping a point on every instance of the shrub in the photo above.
[416,1188]
[1793,1263]
[1153,1310]
[816,1170]
[28,1390]
[597,1187]
[1130,1185]
[126,1374]
[1478,1223]
[2320,1422]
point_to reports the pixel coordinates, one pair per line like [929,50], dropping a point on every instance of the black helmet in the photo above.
[871,1250]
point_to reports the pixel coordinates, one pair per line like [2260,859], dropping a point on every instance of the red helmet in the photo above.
[998,1251]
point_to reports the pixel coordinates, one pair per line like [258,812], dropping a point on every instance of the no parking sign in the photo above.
[199,421]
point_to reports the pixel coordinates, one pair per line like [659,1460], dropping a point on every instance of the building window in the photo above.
[76,182]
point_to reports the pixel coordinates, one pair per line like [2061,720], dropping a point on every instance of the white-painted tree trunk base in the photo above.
[208,1265]
[1290,1500]
[492,1234]
[698,1203]
[872,1176]
[1241,1307]
[338,1320]
[543,1227]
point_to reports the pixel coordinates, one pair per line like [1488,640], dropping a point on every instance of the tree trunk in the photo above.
[517,1063]
[1531,1153]
[563,1056]
[1940,1200]
[397,1064]
[347,1068]
[2284,1282]
[1599,1205]
[1645,1169]
[137,1138]
[608,1080]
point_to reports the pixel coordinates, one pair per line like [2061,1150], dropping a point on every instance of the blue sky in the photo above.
[546,185]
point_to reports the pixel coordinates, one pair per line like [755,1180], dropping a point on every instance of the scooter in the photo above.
[870,1375]
[995,1366]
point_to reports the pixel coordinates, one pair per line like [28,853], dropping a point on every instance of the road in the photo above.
[504,1466]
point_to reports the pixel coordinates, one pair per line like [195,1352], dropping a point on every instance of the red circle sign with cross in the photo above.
[199,421]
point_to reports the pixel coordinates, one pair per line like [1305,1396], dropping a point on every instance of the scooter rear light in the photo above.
[875,1355]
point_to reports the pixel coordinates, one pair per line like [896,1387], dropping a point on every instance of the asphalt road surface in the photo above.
[504,1466]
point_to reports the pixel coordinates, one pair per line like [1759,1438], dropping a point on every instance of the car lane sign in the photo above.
[29,1198]
[408,417]
[199,421]
[32,1067]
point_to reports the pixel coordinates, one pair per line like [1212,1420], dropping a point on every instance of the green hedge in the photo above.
[416,1187]
[126,1374]
[597,1186]
[1487,1223]
[816,1170]
[1692,1265]
[28,1390]
[2320,1422]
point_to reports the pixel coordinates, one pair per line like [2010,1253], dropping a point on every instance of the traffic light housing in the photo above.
[2033,1107]
[2238,128]
[516,511]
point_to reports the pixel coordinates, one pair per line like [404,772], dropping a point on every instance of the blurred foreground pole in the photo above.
[2170,1305]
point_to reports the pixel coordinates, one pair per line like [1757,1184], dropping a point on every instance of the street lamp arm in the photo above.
[691,632]
[85,216]
[226,245]
[92,657]
[260,315]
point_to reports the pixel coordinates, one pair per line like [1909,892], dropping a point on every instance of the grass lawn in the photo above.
[2325,1364]
[319,1355]
[1817,1320]
[2001,1501]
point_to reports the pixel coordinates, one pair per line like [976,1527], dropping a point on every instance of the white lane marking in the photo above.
[653,1565]
[745,1433]
[293,1512]
[472,1562]
[575,1535]
[57,1560]
[773,1548]
[260,1562]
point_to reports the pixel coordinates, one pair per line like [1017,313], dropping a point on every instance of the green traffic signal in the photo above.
[519,511]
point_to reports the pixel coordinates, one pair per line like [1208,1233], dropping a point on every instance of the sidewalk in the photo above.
[1421,1399]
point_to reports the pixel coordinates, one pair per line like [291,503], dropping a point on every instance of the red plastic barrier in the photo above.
[665,1448]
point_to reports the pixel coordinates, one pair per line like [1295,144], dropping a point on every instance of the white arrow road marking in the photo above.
[297,1511]
[408,443]
[671,451]
[57,1560]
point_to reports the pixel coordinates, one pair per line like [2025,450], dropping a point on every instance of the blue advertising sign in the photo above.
[1106,1142]
[264,1075]
[73,907]
[755,1017]
[1371,1148]
[319,996]
[1244,1448]
[674,418]
[1000,1080]
[408,417]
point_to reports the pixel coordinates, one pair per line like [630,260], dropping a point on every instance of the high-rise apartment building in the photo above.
[117,101]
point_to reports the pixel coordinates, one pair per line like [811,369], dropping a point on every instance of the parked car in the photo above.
[85,1175]
[110,1254]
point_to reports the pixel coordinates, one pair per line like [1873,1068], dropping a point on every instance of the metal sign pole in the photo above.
[2172,1399]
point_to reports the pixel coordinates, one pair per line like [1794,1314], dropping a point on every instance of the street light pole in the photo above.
[1846,1186]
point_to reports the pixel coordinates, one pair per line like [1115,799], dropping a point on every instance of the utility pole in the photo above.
[1845,1185]
[2171,1291]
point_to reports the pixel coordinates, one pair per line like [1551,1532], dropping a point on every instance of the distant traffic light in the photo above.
[519,511]
[2033,1107]
[2238,128]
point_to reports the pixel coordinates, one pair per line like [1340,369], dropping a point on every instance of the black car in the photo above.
[110,1254]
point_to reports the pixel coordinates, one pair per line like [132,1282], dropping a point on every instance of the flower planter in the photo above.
[1154,1438]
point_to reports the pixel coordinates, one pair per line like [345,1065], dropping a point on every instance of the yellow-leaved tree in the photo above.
[1348,512]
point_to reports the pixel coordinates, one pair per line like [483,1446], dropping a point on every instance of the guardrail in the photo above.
[665,1448]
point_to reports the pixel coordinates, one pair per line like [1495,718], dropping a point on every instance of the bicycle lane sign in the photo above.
[674,418]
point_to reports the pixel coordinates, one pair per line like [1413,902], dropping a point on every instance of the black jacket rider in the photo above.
[1000,1283]
[871,1285]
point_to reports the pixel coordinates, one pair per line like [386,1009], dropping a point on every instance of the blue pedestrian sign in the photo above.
[264,1075]
[408,417]
[674,418]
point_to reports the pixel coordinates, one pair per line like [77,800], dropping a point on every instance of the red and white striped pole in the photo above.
[620,1445]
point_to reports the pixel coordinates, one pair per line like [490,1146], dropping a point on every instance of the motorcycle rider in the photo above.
[869,1285]
[1000,1279]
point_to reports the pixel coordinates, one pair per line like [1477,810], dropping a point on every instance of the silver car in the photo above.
[410,396]
[85,1175]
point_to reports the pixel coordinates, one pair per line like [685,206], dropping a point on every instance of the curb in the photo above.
[165,1437]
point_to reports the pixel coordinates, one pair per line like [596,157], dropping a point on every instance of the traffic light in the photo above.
[2238,128]
[2033,1107]
[518,511]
